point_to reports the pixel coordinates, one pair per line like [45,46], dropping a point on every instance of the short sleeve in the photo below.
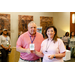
[63,38]
[41,46]
[61,46]
[19,42]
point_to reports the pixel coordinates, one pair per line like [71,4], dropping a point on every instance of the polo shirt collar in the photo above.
[31,35]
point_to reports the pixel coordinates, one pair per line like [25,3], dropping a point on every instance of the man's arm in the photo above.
[20,49]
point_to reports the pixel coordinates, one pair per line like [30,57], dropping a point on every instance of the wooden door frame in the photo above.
[72,26]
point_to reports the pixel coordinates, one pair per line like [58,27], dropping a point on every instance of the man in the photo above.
[28,42]
[4,45]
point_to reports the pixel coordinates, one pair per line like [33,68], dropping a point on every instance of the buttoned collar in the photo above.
[31,35]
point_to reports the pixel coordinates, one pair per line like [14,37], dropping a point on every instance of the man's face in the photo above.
[32,28]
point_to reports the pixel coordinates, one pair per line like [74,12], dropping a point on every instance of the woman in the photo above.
[72,43]
[72,40]
[52,48]
[65,39]
[4,45]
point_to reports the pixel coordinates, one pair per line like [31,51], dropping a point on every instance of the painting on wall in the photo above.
[23,22]
[5,22]
[45,22]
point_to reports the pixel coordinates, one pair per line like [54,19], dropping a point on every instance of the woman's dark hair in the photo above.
[1,33]
[71,34]
[55,30]
[7,33]
[67,34]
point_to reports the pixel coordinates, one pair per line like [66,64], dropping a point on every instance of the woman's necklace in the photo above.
[47,46]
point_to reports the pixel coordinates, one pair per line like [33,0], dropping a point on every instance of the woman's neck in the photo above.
[4,35]
[50,38]
[72,37]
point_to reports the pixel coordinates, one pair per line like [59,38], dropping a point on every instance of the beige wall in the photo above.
[61,21]
[14,22]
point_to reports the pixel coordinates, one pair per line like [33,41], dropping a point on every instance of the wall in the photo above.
[61,21]
[14,22]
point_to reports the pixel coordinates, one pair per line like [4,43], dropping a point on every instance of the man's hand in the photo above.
[28,51]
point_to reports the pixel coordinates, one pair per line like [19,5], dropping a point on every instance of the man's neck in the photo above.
[32,34]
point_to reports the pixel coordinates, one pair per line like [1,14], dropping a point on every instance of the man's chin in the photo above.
[33,33]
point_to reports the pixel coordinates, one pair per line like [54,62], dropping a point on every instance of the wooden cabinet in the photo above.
[14,55]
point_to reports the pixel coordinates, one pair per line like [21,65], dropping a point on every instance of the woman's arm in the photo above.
[60,55]
[62,50]
[3,47]
[40,54]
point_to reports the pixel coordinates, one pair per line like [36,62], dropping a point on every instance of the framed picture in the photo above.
[5,22]
[23,21]
[45,22]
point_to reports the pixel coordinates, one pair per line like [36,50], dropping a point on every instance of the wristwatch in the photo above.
[54,56]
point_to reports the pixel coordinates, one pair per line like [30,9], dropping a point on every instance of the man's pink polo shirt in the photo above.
[24,41]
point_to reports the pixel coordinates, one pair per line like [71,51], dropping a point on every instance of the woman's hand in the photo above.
[8,47]
[58,56]
[34,51]
[40,54]
[51,56]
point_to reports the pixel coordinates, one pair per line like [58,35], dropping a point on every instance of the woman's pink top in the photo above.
[52,48]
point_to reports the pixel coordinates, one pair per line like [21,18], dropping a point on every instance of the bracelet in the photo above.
[54,56]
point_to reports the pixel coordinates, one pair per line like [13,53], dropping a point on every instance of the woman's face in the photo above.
[72,33]
[50,33]
[5,32]
[67,34]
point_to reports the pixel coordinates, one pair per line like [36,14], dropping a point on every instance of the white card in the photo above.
[7,43]
[31,46]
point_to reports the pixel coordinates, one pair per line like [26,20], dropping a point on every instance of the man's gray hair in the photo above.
[31,22]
